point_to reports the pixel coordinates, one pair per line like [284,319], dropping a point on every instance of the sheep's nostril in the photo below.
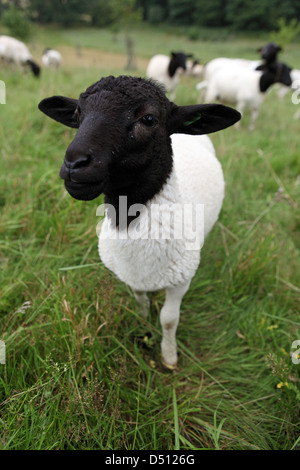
[77,162]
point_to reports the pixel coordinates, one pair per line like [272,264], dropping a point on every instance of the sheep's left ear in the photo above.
[60,109]
[261,67]
[201,119]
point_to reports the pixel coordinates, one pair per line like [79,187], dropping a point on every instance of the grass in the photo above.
[82,366]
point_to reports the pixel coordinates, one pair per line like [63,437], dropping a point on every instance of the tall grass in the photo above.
[82,365]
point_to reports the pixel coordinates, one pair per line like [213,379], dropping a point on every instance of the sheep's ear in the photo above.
[201,119]
[60,109]
[261,67]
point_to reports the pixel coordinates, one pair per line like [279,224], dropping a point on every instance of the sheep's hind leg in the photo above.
[169,318]
[142,298]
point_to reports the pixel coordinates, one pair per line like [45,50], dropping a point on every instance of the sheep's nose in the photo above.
[76,159]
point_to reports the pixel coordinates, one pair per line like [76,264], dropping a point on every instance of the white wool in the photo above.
[237,85]
[194,70]
[52,58]
[13,50]
[147,264]
[227,63]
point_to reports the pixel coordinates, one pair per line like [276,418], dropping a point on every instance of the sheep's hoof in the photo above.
[169,366]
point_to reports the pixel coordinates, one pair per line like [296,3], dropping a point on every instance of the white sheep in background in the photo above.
[244,87]
[51,58]
[167,70]
[125,149]
[13,51]
[268,53]
[194,69]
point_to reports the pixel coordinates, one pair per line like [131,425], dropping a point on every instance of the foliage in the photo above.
[286,32]
[60,12]
[17,23]
[238,15]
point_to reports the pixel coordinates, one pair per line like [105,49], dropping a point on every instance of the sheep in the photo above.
[147,154]
[245,87]
[51,58]
[16,52]
[167,70]
[269,52]
[194,69]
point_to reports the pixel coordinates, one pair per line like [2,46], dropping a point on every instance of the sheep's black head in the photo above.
[123,144]
[178,61]
[269,52]
[35,68]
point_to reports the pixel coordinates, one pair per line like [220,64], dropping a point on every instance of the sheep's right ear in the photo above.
[201,119]
[60,109]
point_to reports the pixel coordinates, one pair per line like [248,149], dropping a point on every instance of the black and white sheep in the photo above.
[245,87]
[51,58]
[134,144]
[16,52]
[167,70]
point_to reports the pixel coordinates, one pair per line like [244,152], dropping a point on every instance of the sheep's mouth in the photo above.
[83,191]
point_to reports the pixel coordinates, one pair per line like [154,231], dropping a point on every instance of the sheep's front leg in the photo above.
[169,318]
[142,298]
[254,116]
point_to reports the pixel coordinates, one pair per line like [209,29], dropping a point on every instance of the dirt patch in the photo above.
[74,57]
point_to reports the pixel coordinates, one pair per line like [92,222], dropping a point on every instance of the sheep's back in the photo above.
[13,49]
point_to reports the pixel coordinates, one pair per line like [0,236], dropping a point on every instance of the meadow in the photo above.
[82,367]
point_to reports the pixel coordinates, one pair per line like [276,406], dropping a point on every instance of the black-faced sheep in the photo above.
[133,144]
[245,87]
[16,52]
[167,70]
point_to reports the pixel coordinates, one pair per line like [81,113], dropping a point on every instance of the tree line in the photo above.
[239,15]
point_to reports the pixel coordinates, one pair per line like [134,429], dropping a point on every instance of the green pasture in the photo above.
[82,367]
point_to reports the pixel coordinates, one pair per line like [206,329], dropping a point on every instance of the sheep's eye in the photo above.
[149,120]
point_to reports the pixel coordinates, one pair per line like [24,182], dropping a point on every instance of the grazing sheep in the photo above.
[167,70]
[51,58]
[125,149]
[244,87]
[16,52]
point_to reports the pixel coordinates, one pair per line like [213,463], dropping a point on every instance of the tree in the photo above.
[210,13]
[125,17]
[16,22]
[248,14]
[181,12]
[285,32]
[64,12]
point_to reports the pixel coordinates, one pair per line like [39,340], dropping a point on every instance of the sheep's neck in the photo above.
[146,186]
